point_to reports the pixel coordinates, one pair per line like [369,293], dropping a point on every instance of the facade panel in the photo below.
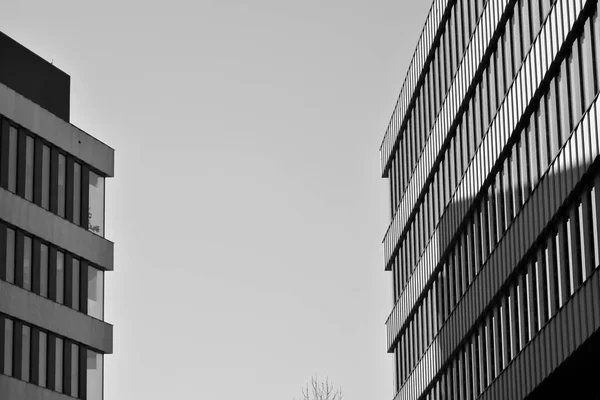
[493,240]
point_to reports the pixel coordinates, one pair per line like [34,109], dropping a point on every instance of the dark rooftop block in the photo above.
[33,77]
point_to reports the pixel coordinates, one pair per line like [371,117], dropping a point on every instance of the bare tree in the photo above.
[316,390]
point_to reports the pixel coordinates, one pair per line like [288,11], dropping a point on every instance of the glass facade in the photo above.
[95,372]
[95,301]
[96,210]
[493,186]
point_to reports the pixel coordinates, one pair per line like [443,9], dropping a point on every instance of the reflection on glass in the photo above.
[44,270]
[42,359]
[62,178]
[27,263]
[58,366]
[96,204]
[60,277]
[77,193]
[94,375]
[12,159]
[10,255]
[95,293]
[46,177]
[26,347]
[8,346]
[29,168]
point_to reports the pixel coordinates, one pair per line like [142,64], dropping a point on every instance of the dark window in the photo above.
[46,177]
[58,365]
[27,263]
[62,177]
[60,277]
[42,359]
[44,270]
[10,255]
[12,159]
[8,346]
[29,168]
[74,370]
[75,288]
[77,193]
[26,352]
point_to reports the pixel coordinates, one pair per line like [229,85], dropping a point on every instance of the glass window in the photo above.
[8,346]
[96,206]
[75,288]
[27,263]
[44,270]
[46,177]
[95,293]
[25,354]
[58,366]
[62,178]
[60,277]
[42,359]
[12,159]
[10,255]
[74,370]
[585,42]
[77,193]
[94,372]
[29,168]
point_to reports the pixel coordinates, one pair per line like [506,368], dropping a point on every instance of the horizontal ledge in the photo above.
[57,131]
[46,314]
[56,230]
[14,388]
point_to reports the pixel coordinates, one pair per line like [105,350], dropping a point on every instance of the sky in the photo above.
[247,207]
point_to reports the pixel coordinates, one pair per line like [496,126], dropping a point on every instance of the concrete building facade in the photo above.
[53,253]
[492,158]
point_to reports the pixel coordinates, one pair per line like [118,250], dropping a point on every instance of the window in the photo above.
[42,359]
[95,293]
[62,178]
[26,352]
[77,193]
[27,263]
[8,346]
[96,204]
[12,159]
[58,366]
[74,370]
[75,288]
[29,168]
[94,372]
[44,270]
[10,255]
[46,177]
[60,277]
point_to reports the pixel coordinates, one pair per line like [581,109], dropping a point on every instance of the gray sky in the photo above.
[247,208]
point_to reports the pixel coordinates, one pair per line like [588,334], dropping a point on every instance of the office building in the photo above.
[53,253]
[492,158]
